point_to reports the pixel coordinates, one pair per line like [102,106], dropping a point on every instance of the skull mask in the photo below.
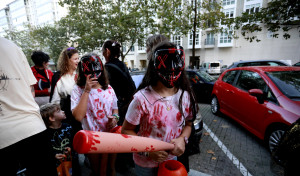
[91,65]
[169,64]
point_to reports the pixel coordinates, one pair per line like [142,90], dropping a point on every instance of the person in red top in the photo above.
[43,75]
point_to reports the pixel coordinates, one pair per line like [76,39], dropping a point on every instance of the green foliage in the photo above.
[24,40]
[278,15]
[51,38]
[127,21]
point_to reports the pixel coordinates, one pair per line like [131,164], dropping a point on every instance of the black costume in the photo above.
[124,87]
[60,139]
[122,83]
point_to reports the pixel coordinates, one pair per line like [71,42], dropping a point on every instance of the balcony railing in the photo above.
[209,41]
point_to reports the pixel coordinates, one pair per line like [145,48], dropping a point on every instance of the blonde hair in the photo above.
[63,60]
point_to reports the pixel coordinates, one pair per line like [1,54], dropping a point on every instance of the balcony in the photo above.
[209,43]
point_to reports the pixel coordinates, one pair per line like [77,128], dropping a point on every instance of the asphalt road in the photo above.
[229,149]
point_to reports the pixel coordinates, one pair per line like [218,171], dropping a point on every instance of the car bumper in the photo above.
[198,124]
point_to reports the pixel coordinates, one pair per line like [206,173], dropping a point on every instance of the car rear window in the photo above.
[214,64]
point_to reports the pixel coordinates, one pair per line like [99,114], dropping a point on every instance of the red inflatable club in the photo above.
[172,167]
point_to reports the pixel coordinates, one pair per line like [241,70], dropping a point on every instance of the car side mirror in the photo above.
[258,94]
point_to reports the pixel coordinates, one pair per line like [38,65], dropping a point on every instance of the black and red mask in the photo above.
[169,64]
[91,65]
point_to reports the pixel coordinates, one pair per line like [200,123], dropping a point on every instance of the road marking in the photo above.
[234,159]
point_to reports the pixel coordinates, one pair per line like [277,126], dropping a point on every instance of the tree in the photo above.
[205,15]
[278,15]
[52,38]
[94,21]
[23,39]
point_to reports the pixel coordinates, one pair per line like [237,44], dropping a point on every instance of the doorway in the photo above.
[194,62]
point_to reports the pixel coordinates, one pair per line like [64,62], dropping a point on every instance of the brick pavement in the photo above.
[247,148]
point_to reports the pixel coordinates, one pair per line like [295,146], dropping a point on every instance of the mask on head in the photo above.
[169,64]
[91,64]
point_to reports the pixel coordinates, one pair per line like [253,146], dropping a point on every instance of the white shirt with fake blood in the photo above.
[158,117]
[101,104]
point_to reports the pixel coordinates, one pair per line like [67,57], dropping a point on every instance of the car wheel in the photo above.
[215,108]
[274,138]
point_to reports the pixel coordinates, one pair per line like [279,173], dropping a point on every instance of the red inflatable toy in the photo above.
[172,167]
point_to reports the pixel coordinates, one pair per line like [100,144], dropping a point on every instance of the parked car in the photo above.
[297,64]
[211,67]
[264,100]
[137,77]
[202,84]
[256,63]
[223,68]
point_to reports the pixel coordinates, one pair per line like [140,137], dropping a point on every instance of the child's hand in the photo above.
[67,150]
[60,156]
[90,82]
[112,122]
[158,156]
[179,146]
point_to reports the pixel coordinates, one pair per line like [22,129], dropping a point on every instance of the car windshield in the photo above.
[206,76]
[288,82]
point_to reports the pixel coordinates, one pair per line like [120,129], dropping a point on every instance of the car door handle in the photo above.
[270,112]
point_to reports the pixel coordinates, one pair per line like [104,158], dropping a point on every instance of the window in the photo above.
[250,80]
[141,48]
[229,77]
[124,48]
[253,8]
[210,40]
[271,97]
[193,77]
[229,13]
[225,37]
[132,49]
[176,39]
[197,40]
[228,2]
[288,82]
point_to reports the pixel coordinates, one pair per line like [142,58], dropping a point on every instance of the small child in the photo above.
[60,134]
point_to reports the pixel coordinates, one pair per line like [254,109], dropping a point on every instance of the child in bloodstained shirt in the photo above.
[94,104]
[164,107]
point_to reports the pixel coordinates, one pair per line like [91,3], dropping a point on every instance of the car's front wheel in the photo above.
[274,138]
[215,107]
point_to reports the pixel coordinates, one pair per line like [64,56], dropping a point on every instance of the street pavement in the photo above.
[229,149]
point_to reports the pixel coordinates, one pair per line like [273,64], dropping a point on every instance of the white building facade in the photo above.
[221,47]
[34,12]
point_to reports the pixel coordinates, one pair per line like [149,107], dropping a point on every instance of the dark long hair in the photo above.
[114,48]
[81,79]
[151,79]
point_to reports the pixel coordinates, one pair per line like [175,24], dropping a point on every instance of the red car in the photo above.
[264,100]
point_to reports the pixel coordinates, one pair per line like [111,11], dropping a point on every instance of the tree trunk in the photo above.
[194,30]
